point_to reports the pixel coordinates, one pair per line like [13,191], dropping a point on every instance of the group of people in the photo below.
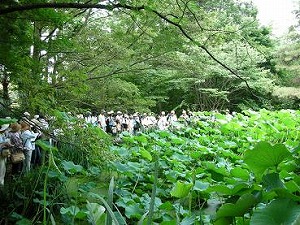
[118,122]
[20,137]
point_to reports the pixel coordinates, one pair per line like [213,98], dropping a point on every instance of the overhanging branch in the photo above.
[57,5]
[110,7]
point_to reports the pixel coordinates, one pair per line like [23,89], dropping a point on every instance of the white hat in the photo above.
[4,127]
[26,114]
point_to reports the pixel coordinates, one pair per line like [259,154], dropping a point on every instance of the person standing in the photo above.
[15,139]
[162,121]
[4,153]
[172,117]
[28,138]
[101,120]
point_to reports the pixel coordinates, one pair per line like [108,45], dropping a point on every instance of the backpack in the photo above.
[111,122]
[136,125]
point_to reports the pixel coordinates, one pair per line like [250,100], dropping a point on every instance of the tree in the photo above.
[197,33]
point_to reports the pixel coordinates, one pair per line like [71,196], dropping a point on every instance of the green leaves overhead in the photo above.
[174,53]
[265,156]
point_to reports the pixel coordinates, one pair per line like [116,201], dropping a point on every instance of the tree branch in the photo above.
[112,6]
[57,5]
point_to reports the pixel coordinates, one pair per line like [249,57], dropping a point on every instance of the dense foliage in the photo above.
[163,55]
[139,55]
[246,167]
[218,170]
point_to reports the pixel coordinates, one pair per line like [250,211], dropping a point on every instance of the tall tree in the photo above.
[181,43]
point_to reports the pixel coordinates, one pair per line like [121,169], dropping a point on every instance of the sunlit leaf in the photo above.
[265,156]
[146,154]
[181,189]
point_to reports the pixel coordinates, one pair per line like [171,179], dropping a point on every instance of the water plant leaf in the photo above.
[223,221]
[181,190]
[166,206]
[95,213]
[141,221]
[292,186]
[71,167]
[133,211]
[46,146]
[24,221]
[189,220]
[145,154]
[240,173]
[272,181]
[200,186]
[243,204]
[265,156]
[72,210]
[279,211]
[164,134]
[177,140]
[142,139]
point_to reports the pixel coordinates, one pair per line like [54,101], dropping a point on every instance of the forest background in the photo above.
[143,56]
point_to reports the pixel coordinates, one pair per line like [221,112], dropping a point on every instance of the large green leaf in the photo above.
[45,145]
[272,181]
[71,167]
[96,213]
[279,211]
[146,154]
[200,186]
[265,156]
[133,211]
[243,204]
[181,190]
[240,173]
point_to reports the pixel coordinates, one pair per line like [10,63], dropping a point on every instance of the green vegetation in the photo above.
[139,55]
[231,163]
[142,56]
[241,170]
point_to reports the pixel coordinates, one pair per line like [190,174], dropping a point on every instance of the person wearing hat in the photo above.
[4,152]
[15,139]
[111,123]
[28,138]
[172,118]
[101,120]
[119,118]
[162,122]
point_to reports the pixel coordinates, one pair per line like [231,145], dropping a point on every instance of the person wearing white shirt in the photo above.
[28,137]
[101,120]
[162,121]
